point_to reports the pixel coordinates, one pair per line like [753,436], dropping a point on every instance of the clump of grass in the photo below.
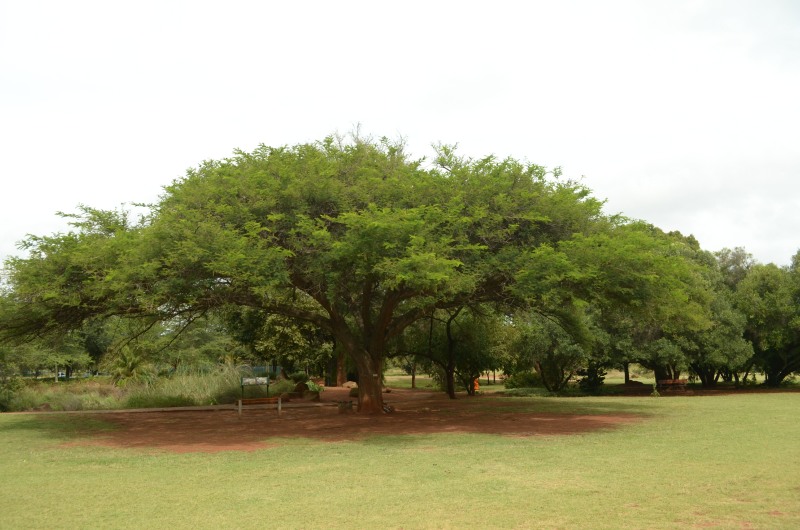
[281,386]
[184,388]
[93,394]
[188,389]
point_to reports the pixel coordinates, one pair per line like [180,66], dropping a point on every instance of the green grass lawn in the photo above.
[724,461]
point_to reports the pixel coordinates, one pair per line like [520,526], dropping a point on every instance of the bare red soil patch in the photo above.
[257,428]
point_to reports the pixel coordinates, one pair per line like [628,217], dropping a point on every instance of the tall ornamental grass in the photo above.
[185,388]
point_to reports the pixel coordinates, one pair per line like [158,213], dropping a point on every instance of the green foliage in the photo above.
[353,237]
[546,346]
[281,253]
[289,343]
[314,387]
[9,387]
[768,296]
[299,377]
[523,380]
[591,378]
[456,345]
[526,391]
[219,386]
[281,386]
[88,394]
[130,366]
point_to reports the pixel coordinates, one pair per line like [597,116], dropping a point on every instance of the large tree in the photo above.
[352,236]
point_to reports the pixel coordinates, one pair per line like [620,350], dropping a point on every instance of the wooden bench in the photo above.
[672,384]
[259,401]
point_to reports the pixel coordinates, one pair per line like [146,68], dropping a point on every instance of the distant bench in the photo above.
[257,381]
[671,384]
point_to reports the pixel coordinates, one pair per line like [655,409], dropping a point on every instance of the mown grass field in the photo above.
[728,461]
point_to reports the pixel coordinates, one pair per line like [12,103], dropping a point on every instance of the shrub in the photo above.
[314,387]
[282,386]
[299,377]
[591,379]
[528,392]
[9,386]
[523,380]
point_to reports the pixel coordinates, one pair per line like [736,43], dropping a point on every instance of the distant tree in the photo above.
[768,295]
[554,353]
[734,265]
[643,290]
[458,345]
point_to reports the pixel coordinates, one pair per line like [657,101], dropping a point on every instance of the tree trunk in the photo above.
[370,393]
[370,387]
[341,372]
[450,379]
[626,369]
[450,369]
[708,376]
[413,374]
[665,372]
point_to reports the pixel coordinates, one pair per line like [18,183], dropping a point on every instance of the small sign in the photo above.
[255,381]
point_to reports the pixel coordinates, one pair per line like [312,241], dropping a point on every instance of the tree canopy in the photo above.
[361,241]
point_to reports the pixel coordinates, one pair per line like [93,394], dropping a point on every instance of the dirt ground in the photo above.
[416,412]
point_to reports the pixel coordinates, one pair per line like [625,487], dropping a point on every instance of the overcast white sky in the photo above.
[683,113]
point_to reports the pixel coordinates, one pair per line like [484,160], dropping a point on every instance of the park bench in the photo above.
[259,401]
[257,381]
[671,384]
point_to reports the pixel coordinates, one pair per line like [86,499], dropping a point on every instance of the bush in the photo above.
[528,392]
[591,379]
[523,380]
[282,386]
[9,386]
[73,395]
[314,387]
[299,377]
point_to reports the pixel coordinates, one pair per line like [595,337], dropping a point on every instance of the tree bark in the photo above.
[370,387]
[665,372]
[450,379]
[341,372]
[450,368]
